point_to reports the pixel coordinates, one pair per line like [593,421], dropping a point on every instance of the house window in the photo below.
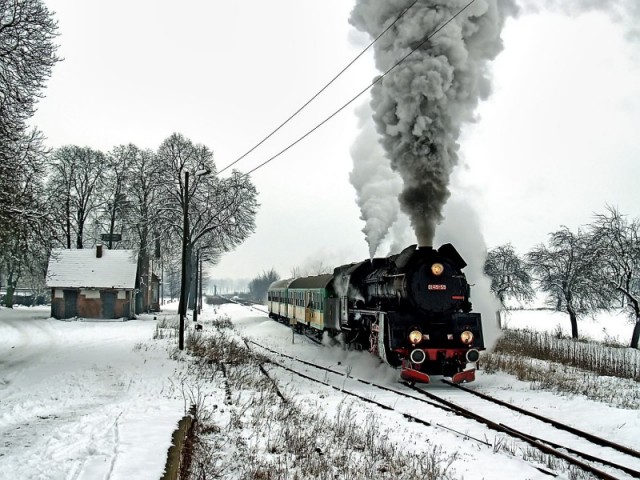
[90,293]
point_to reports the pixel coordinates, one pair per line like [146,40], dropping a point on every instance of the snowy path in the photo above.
[94,397]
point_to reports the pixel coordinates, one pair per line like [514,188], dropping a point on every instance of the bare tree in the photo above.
[27,54]
[114,190]
[24,240]
[141,202]
[620,240]
[73,189]
[569,271]
[221,210]
[24,255]
[259,286]
[311,267]
[508,274]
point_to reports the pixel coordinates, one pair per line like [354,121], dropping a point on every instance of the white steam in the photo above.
[377,186]
[461,228]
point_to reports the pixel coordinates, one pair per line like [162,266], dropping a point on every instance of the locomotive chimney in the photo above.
[99,250]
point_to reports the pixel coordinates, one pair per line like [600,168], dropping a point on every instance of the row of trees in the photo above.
[594,268]
[259,285]
[69,197]
[139,194]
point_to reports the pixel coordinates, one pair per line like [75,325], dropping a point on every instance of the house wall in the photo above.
[92,303]
[57,303]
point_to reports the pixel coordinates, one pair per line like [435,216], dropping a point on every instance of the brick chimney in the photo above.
[99,250]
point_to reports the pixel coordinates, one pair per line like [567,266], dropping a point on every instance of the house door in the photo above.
[109,304]
[70,303]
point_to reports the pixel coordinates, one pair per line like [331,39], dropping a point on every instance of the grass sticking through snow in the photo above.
[601,372]
[252,433]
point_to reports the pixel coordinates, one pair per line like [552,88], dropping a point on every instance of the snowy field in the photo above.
[603,327]
[99,400]
[86,400]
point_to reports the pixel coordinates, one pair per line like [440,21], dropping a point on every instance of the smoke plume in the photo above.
[420,107]
[377,186]
[461,227]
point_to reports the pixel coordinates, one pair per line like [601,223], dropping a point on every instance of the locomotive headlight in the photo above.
[437,269]
[415,337]
[466,337]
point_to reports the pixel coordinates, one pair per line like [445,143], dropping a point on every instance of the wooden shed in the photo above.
[92,283]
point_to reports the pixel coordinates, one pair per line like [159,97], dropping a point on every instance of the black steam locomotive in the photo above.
[411,309]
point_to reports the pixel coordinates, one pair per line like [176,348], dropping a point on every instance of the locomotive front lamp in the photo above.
[415,337]
[437,269]
[466,337]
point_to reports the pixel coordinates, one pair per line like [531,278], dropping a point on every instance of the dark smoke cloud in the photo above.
[420,107]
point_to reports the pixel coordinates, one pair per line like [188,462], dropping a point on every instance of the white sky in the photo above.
[557,140]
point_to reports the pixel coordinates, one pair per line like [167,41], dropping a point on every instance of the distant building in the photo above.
[92,283]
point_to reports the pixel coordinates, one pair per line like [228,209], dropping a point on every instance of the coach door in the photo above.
[308,313]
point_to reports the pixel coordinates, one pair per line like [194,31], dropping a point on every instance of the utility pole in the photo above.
[183,279]
[195,305]
[200,304]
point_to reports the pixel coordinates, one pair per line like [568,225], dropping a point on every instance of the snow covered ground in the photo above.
[612,326]
[85,400]
[98,400]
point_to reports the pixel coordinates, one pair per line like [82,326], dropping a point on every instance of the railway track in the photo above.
[361,397]
[581,459]
[603,442]
[585,453]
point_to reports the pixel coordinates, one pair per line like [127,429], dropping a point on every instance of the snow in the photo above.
[83,399]
[81,268]
[92,400]
[614,326]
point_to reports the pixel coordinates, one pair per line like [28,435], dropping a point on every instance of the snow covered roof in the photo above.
[82,269]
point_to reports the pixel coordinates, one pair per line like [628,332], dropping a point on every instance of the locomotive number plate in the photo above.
[436,287]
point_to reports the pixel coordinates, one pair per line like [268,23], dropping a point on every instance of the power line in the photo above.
[361,92]
[320,91]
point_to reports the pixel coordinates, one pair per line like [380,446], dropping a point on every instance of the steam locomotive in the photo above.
[412,310]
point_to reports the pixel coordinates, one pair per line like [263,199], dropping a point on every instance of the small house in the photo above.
[92,283]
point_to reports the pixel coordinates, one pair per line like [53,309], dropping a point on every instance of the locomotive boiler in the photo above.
[413,310]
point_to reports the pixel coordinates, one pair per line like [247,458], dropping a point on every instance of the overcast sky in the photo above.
[557,140]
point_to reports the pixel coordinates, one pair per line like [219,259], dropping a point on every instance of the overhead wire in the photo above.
[321,90]
[378,79]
